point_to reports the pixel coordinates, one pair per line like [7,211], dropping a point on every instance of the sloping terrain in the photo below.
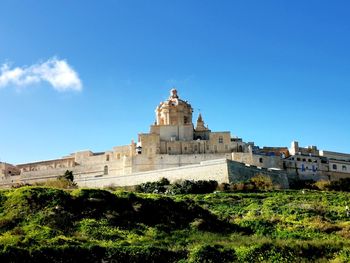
[89,225]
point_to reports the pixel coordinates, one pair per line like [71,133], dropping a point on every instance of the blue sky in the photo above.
[268,71]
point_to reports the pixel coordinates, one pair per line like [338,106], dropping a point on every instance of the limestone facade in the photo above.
[175,142]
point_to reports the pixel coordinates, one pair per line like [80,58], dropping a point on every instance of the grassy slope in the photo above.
[41,223]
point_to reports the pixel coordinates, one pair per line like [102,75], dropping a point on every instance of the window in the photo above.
[221,140]
[240,148]
[169,149]
[185,148]
[343,168]
[334,166]
[261,160]
[107,157]
[309,160]
[298,159]
[304,160]
[105,170]
[185,120]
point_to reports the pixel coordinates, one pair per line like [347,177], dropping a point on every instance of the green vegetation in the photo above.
[89,225]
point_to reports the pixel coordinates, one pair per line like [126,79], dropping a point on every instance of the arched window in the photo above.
[344,168]
[334,166]
[107,157]
[240,148]
[261,160]
[105,170]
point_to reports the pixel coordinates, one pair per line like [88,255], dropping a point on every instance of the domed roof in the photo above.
[174,100]
[174,110]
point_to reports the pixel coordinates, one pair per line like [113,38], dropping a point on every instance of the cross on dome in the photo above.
[173,94]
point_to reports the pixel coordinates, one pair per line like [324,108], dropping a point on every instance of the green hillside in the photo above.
[87,225]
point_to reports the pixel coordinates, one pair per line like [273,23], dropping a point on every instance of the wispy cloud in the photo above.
[58,73]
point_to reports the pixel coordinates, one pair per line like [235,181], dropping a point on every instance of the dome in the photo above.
[174,111]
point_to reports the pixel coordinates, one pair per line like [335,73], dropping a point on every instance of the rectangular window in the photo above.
[221,140]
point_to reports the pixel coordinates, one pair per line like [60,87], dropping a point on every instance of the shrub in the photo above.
[153,187]
[259,182]
[193,187]
[262,182]
[302,184]
[224,187]
[343,184]
[322,185]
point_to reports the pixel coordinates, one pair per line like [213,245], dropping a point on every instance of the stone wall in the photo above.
[240,172]
[207,170]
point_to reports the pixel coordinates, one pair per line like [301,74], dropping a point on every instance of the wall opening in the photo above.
[105,170]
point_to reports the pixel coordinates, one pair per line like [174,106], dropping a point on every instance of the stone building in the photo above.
[177,148]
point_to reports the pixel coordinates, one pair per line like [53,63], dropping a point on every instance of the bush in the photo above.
[259,182]
[262,182]
[322,185]
[158,187]
[193,187]
[343,184]
[302,184]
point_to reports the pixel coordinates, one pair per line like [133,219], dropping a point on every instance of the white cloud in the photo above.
[58,73]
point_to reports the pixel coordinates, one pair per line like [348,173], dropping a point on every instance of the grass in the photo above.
[119,226]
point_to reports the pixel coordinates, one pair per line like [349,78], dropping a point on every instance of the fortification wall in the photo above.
[258,160]
[239,172]
[142,163]
[207,170]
